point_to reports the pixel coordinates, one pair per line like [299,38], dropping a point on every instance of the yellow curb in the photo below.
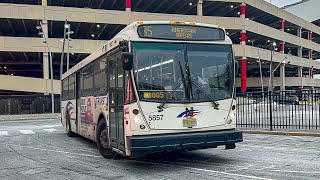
[283,133]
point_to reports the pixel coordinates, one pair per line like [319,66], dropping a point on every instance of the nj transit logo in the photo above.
[188,113]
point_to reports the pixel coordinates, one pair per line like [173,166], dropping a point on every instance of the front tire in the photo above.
[102,137]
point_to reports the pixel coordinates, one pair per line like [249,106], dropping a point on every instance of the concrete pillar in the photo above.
[299,51]
[128,5]
[199,8]
[44,2]
[300,74]
[310,55]
[282,77]
[282,66]
[299,34]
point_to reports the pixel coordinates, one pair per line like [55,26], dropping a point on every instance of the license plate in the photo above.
[189,122]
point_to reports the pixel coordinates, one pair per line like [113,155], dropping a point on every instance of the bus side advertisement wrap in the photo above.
[86,109]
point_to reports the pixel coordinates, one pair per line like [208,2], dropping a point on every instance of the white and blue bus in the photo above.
[156,86]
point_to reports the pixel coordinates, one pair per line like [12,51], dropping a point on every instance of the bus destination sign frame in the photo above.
[180,32]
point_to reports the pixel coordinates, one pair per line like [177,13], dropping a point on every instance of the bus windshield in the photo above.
[183,72]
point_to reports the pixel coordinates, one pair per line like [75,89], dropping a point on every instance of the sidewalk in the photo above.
[283,132]
[29,117]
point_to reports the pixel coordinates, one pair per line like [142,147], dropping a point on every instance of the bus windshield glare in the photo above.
[183,72]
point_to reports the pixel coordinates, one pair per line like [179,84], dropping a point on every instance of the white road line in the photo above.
[51,150]
[27,132]
[3,133]
[50,130]
[50,126]
[209,171]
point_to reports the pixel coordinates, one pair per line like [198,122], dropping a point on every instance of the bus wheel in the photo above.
[68,127]
[102,138]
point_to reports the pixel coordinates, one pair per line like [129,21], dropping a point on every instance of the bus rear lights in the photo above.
[233,107]
[229,121]
[142,126]
[135,111]
[127,122]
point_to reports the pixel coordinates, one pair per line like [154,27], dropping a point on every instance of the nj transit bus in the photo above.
[156,86]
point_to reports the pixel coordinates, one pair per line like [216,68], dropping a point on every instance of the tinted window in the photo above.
[100,76]
[87,80]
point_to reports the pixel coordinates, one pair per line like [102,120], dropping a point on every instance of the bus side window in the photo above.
[100,76]
[71,87]
[87,80]
[65,86]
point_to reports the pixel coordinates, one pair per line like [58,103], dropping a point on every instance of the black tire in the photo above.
[102,137]
[68,127]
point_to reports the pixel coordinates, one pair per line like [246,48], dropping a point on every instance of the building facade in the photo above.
[261,32]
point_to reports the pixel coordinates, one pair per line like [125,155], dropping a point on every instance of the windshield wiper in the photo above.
[189,81]
[183,81]
[215,104]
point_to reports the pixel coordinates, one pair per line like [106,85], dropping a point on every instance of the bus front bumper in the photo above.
[197,140]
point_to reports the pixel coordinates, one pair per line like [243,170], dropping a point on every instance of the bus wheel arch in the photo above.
[102,134]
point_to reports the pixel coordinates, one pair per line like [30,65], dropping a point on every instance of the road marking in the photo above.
[27,132]
[284,148]
[209,171]
[3,133]
[50,126]
[50,130]
[51,150]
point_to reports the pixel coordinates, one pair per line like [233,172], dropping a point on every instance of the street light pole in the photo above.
[262,89]
[68,49]
[45,40]
[63,43]
[283,61]
[271,69]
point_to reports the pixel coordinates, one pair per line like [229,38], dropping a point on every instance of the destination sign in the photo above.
[180,32]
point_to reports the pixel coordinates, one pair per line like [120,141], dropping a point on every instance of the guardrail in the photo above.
[279,110]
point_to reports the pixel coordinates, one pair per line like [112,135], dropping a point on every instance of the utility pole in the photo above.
[45,41]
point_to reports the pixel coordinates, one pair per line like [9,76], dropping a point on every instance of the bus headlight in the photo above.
[229,121]
[232,115]
[137,120]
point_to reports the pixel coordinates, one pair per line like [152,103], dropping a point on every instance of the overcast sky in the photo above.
[282,3]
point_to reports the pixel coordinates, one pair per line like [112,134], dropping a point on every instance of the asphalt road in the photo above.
[41,150]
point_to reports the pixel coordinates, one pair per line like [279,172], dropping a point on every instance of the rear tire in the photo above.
[68,127]
[102,137]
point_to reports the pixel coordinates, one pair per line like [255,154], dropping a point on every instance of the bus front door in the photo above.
[116,101]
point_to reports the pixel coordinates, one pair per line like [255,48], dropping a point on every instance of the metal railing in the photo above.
[28,104]
[279,110]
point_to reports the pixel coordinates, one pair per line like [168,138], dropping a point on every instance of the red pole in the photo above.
[128,4]
[243,66]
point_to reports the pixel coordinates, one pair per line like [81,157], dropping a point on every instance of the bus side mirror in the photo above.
[127,61]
